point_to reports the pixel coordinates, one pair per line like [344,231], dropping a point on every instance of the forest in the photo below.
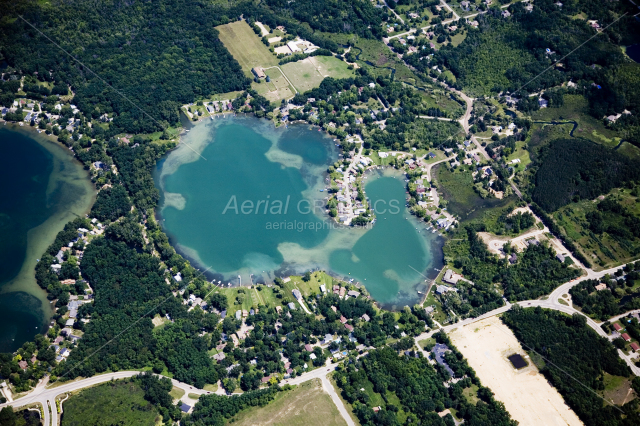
[575,169]
[536,273]
[412,385]
[575,360]
[153,57]
[495,53]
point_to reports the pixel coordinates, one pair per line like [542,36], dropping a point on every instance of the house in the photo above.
[376,409]
[365,317]
[634,346]
[343,319]
[348,327]
[65,352]
[505,14]
[439,350]
[23,365]
[327,338]
[617,326]
[452,28]
[278,309]
[312,356]
[353,293]
[626,337]
[68,282]
[291,306]
[414,15]
[513,258]
[323,289]
[601,287]
[70,322]
[185,408]
[343,290]
[560,257]
[297,294]
[451,277]
[308,348]
[465,5]
[543,103]
[238,315]
[474,24]
[442,289]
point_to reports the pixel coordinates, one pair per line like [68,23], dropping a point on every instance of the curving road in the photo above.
[47,397]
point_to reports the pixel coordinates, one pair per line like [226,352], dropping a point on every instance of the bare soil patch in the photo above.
[526,394]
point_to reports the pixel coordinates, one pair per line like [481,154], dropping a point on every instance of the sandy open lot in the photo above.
[526,394]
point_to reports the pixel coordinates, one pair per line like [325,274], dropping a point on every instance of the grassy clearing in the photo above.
[427,342]
[245,46]
[210,388]
[112,403]
[176,393]
[617,389]
[306,405]
[309,73]
[471,394]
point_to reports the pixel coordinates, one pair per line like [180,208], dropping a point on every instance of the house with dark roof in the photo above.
[438,351]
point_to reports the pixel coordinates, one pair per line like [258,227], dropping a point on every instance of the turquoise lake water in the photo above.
[43,188]
[238,198]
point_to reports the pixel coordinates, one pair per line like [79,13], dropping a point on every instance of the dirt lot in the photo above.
[526,394]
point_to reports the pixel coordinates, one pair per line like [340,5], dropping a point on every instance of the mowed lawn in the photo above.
[246,46]
[309,73]
[117,403]
[306,405]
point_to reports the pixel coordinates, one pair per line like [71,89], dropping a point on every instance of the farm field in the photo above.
[118,403]
[526,394]
[245,46]
[307,405]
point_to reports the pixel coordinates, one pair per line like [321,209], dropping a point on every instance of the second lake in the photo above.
[242,198]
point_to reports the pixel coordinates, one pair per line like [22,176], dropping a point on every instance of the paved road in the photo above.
[47,397]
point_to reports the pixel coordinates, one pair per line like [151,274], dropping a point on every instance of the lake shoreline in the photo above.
[69,193]
[177,170]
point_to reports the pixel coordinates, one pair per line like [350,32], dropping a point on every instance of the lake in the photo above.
[242,198]
[634,52]
[44,189]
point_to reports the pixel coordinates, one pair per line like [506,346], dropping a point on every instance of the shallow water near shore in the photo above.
[44,187]
[238,198]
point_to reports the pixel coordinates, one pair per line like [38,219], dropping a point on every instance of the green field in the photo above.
[305,405]
[116,403]
[309,73]
[246,47]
